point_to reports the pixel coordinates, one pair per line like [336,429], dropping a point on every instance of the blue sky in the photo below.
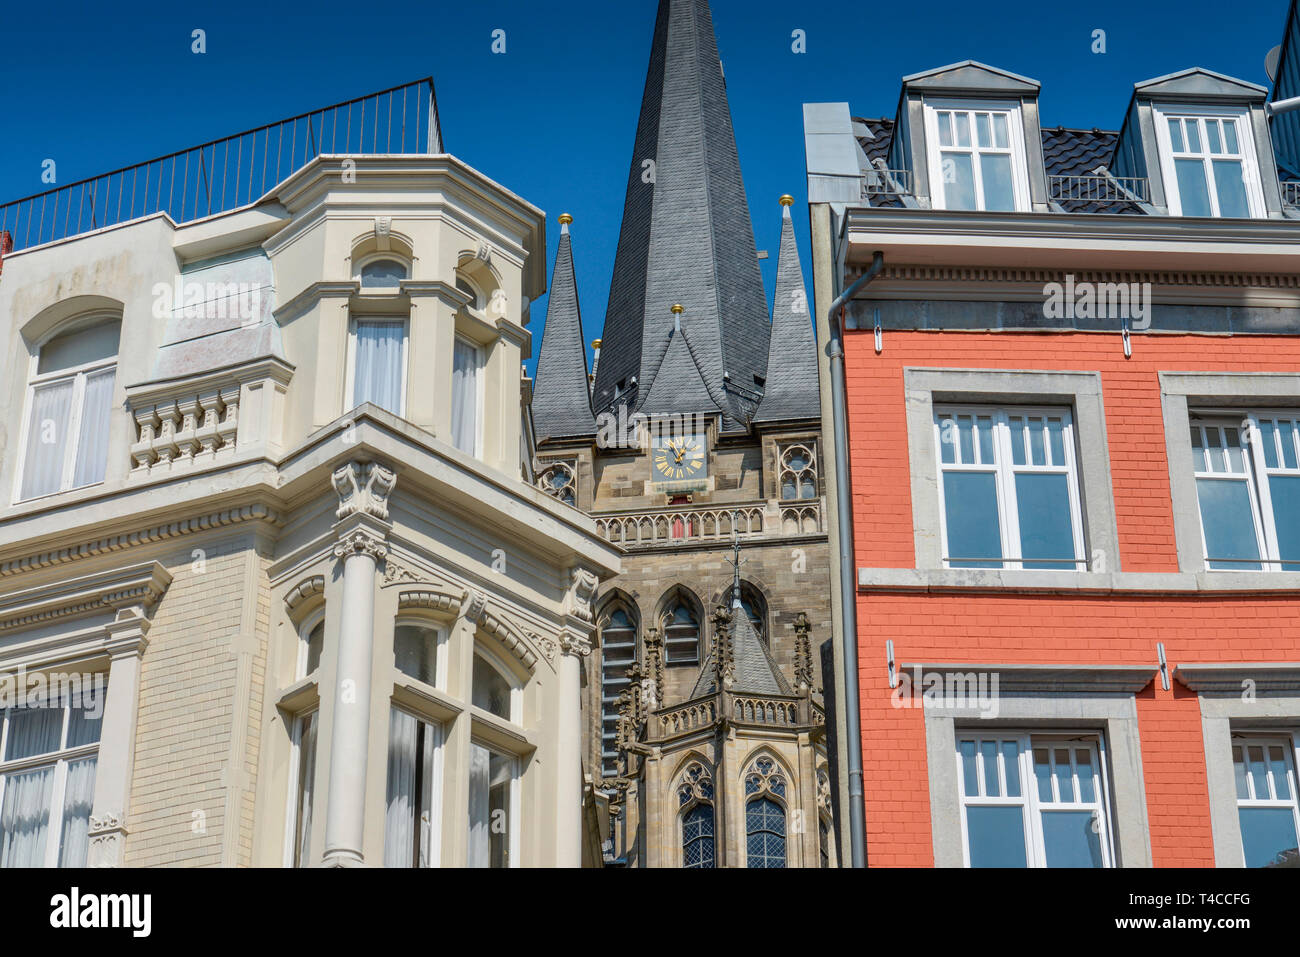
[103,86]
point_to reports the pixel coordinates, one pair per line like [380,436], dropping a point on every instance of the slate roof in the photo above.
[678,385]
[791,391]
[686,236]
[561,402]
[1066,152]
[754,671]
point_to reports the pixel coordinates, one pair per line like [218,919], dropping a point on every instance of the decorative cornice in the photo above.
[306,589]
[156,533]
[133,585]
[1239,677]
[432,599]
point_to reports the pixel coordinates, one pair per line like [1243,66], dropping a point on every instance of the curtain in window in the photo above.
[306,783]
[47,439]
[399,824]
[464,397]
[377,377]
[490,777]
[92,443]
[78,795]
[32,731]
[25,817]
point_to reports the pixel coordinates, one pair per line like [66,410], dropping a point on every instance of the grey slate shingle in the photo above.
[792,391]
[561,402]
[687,237]
[754,671]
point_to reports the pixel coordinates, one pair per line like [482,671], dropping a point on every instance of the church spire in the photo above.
[561,402]
[792,389]
[686,235]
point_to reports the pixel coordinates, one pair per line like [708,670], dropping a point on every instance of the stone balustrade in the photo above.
[671,527]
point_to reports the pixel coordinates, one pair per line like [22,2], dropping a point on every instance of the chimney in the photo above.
[6,247]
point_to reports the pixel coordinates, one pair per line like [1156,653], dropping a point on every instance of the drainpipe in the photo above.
[848,571]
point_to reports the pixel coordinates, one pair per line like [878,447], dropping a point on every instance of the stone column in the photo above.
[107,833]
[362,543]
[574,646]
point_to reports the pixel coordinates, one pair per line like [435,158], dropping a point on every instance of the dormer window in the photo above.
[1207,158]
[976,155]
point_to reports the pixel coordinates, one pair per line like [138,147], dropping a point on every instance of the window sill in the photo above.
[1066,582]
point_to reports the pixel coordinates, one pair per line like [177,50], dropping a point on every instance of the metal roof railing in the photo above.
[1290,193]
[228,173]
[1099,189]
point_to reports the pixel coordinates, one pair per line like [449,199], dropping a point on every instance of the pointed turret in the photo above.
[686,235]
[792,390]
[561,401]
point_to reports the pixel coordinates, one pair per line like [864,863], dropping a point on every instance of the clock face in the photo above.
[679,458]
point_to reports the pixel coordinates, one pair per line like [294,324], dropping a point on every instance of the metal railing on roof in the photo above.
[1290,193]
[1099,189]
[878,181]
[228,173]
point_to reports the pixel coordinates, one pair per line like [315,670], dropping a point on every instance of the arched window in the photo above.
[382,274]
[681,626]
[764,815]
[618,651]
[798,472]
[559,480]
[695,798]
[463,284]
[314,643]
[69,399]
[493,691]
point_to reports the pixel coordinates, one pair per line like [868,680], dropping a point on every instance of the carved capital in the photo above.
[363,489]
[361,541]
[572,643]
[106,840]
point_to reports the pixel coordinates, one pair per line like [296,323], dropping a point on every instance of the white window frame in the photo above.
[295,768]
[1258,471]
[440,652]
[59,759]
[516,803]
[1033,808]
[1005,470]
[1016,149]
[1250,173]
[350,377]
[1290,743]
[480,390]
[78,374]
[433,836]
[507,673]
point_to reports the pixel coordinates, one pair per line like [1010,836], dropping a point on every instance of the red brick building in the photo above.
[1073,397]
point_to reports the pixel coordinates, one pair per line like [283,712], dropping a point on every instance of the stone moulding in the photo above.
[431,599]
[156,533]
[303,591]
[140,585]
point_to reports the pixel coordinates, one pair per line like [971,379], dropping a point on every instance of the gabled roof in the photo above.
[678,383]
[561,402]
[686,235]
[792,387]
[970,75]
[1200,83]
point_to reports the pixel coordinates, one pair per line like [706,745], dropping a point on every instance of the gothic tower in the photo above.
[694,443]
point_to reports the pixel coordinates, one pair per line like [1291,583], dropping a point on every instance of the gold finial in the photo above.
[787,200]
[678,309]
[565,219]
[595,343]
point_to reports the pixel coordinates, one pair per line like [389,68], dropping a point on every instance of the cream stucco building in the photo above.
[269,534]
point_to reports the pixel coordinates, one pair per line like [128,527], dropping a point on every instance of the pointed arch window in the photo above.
[765,831]
[681,625]
[560,480]
[695,798]
[618,651]
[798,472]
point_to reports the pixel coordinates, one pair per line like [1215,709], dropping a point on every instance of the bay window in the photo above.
[48,754]
[1036,800]
[69,401]
[414,783]
[1264,768]
[1008,488]
[377,366]
[1247,472]
[1208,162]
[493,807]
[977,155]
[467,397]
